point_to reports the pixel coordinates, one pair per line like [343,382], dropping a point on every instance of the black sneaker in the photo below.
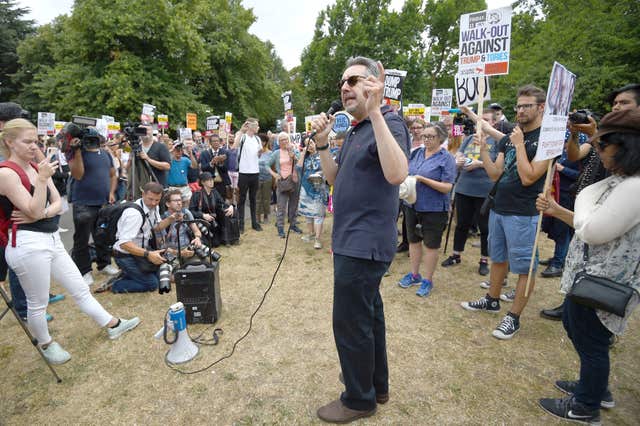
[454,259]
[507,328]
[483,268]
[483,304]
[569,387]
[570,409]
[256,227]
[295,229]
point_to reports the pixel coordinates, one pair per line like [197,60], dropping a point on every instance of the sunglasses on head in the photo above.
[351,81]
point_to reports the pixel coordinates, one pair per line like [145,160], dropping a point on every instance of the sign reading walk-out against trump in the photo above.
[485,42]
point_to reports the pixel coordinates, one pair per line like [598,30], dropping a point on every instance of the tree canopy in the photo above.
[13,29]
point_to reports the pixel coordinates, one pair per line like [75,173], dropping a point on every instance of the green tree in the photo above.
[109,57]
[13,29]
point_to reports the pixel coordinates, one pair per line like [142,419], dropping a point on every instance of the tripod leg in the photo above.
[34,342]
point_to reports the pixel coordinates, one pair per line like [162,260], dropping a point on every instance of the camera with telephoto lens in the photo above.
[581,116]
[133,133]
[204,252]
[205,229]
[165,271]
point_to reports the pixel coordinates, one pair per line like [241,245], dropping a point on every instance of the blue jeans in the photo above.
[18,297]
[133,280]
[562,247]
[359,330]
[591,340]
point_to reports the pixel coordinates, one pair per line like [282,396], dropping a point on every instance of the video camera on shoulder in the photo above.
[133,132]
[79,131]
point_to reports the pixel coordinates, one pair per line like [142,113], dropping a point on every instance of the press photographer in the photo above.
[152,162]
[93,184]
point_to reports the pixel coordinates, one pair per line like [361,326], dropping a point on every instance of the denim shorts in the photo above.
[511,238]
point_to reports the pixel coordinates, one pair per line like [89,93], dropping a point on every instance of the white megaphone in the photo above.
[182,348]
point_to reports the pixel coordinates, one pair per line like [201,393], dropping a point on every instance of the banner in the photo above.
[163,121]
[485,42]
[468,90]
[192,121]
[441,100]
[148,112]
[46,123]
[393,82]
[113,128]
[287,100]
[556,113]
[414,111]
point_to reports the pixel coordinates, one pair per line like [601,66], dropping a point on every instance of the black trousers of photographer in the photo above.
[248,182]
[467,208]
[84,222]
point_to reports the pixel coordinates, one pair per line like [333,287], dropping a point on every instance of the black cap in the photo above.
[205,176]
[11,110]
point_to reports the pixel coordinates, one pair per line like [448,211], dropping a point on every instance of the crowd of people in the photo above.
[487,180]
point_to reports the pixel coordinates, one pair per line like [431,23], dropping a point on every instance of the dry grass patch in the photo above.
[445,367]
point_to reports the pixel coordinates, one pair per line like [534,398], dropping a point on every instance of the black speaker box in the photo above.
[198,288]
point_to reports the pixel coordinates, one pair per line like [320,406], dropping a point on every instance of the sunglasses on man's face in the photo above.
[351,81]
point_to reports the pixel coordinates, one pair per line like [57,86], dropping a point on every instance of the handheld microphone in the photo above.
[335,107]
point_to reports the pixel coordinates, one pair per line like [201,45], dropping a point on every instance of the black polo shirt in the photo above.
[365,204]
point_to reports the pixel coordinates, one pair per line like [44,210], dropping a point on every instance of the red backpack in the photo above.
[6,222]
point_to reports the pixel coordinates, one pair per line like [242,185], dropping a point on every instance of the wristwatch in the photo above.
[146,254]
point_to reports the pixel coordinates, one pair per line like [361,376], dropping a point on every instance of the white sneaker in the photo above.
[317,244]
[55,354]
[88,278]
[307,238]
[487,284]
[125,325]
[110,270]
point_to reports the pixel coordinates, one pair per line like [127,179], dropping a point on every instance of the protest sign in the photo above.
[441,101]
[58,125]
[185,133]
[163,121]
[556,112]
[468,90]
[113,128]
[414,111]
[192,121]
[213,122]
[228,120]
[485,42]
[308,120]
[393,82]
[287,100]
[148,112]
[46,123]
[102,128]
[342,122]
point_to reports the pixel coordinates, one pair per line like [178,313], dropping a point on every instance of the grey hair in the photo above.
[440,128]
[370,64]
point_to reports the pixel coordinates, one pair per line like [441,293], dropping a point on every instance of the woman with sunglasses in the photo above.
[435,170]
[34,250]
[606,244]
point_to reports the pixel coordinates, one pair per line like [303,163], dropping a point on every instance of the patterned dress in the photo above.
[314,192]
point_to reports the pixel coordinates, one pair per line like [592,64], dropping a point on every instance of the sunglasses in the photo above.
[351,81]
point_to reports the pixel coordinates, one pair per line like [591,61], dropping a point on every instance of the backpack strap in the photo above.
[24,179]
[240,149]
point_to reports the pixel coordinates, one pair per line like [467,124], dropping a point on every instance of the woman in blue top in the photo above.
[435,170]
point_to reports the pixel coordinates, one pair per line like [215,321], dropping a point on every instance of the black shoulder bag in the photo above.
[601,293]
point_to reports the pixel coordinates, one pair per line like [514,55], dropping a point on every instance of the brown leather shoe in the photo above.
[337,412]
[381,398]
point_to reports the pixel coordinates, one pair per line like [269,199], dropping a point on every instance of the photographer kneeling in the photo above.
[135,249]
[207,204]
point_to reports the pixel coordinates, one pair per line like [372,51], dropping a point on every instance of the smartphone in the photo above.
[51,152]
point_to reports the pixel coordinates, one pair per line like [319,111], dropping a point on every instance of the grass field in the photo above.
[445,367]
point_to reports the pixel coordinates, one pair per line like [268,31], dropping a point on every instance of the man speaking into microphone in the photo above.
[365,174]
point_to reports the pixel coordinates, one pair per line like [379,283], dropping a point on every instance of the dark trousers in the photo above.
[466,208]
[248,182]
[84,222]
[591,340]
[562,233]
[359,330]
[403,209]
[18,297]
[133,280]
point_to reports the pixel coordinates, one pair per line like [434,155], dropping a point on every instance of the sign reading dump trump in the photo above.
[485,41]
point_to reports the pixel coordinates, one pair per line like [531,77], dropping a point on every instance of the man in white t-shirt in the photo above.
[248,145]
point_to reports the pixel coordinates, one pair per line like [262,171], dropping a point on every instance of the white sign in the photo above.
[468,90]
[308,120]
[485,42]
[46,123]
[108,119]
[441,100]
[556,113]
[102,127]
[185,133]
[287,100]
[148,111]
